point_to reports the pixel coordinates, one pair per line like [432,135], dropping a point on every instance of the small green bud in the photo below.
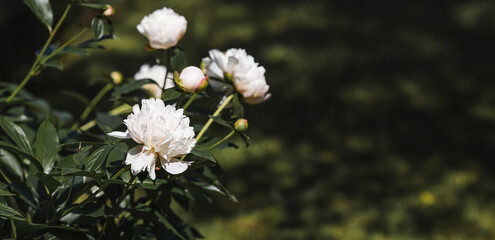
[241,125]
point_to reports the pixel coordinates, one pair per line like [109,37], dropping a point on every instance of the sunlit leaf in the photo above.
[16,134]
[8,212]
[43,11]
[98,27]
[47,144]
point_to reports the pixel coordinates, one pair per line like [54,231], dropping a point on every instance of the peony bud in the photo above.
[241,125]
[116,77]
[109,11]
[191,79]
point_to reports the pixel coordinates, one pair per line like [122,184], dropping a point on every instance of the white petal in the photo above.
[140,160]
[175,166]
[117,134]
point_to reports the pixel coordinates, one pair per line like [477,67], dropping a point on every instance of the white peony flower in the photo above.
[163,132]
[157,74]
[237,66]
[163,28]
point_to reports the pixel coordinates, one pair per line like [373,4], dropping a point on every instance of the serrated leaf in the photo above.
[47,144]
[43,11]
[128,87]
[17,135]
[203,152]
[55,63]
[98,27]
[10,213]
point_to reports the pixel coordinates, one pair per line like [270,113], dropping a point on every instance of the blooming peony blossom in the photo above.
[163,28]
[191,79]
[163,132]
[237,66]
[157,74]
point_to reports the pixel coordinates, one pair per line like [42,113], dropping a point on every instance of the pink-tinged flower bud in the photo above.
[191,79]
[109,11]
[241,125]
[116,77]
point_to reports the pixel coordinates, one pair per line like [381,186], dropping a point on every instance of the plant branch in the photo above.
[34,67]
[210,121]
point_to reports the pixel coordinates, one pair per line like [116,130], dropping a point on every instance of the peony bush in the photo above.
[108,175]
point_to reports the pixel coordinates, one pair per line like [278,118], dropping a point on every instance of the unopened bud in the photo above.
[191,79]
[241,125]
[109,11]
[116,77]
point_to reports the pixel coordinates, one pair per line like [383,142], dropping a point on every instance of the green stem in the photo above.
[125,108]
[210,121]
[92,104]
[63,46]
[167,69]
[189,101]
[126,190]
[90,198]
[14,231]
[5,176]
[35,64]
[223,140]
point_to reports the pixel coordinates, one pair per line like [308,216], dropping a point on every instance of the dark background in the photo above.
[381,121]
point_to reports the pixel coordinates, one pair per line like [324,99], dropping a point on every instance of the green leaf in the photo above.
[25,194]
[203,152]
[43,11]
[47,145]
[116,157]
[97,158]
[94,6]
[54,63]
[51,183]
[16,149]
[222,122]
[170,94]
[128,87]
[5,193]
[98,27]
[11,163]
[178,59]
[238,108]
[10,213]
[17,135]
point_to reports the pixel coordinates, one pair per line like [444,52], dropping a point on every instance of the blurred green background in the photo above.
[381,123]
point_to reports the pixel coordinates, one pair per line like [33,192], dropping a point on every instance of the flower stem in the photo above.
[124,108]
[34,67]
[63,46]
[191,99]
[92,104]
[5,176]
[223,140]
[210,121]
[167,69]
